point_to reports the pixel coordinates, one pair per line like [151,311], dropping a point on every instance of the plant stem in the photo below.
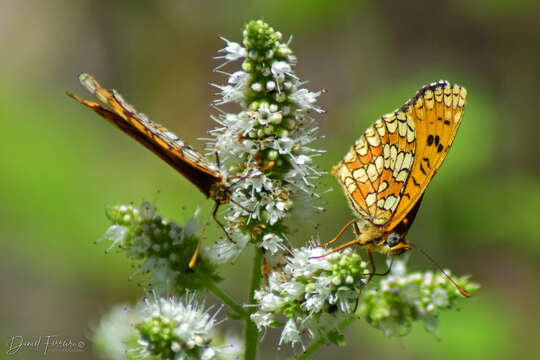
[227,299]
[316,345]
[252,334]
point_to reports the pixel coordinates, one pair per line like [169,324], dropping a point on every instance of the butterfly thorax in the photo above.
[220,192]
[374,239]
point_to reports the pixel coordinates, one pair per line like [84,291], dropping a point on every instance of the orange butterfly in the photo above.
[387,171]
[162,142]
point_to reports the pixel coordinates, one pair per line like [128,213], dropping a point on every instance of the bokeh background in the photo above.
[60,164]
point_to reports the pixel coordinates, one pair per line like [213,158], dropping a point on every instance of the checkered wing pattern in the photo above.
[386,172]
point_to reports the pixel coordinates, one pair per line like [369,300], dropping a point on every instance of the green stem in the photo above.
[227,299]
[320,341]
[252,334]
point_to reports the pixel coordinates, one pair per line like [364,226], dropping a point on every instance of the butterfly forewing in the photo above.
[386,172]
[437,111]
[374,171]
[153,136]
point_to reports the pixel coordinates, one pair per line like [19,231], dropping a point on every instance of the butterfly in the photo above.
[386,172]
[187,161]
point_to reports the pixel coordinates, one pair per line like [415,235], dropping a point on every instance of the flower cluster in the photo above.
[165,328]
[311,292]
[162,247]
[114,336]
[265,146]
[402,298]
[266,159]
[173,328]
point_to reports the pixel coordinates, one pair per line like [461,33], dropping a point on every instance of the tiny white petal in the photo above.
[306,99]
[290,333]
[279,69]
[270,85]
[234,50]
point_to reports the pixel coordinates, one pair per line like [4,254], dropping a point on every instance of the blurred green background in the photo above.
[60,164]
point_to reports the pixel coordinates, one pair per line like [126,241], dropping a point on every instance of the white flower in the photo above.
[290,334]
[320,293]
[114,331]
[233,50]
[224,250]
[406,297]
[239,78]
[439,297]
[303,160]
[398,267]
[306,261]
[306,288]
[279,69]
[268,132]
[293,290]
[262,319]
[271,242]
[116,234]
[276,211]
[232,347]
[306,99]
[229,93]
[270,302]
[192,325]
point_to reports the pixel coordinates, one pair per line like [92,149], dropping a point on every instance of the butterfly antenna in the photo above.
[239,179]
[459,288]
[242,207]
[256,173]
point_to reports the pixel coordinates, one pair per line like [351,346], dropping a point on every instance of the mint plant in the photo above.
[266,152]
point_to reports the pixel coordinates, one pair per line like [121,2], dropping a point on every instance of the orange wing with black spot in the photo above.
[386,172]
[162,142]
[437,112]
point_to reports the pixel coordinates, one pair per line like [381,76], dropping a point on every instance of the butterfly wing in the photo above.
[377,173]
[153,136]
[374,171]
[437,111]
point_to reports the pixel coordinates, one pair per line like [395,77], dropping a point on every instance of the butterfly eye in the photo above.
[393,240]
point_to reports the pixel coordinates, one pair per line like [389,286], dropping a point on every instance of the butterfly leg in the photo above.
[354,223]
[340,233]
[373,272]
[217,160]
[372,263]
[339,248]
[214,215]
[193,260]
